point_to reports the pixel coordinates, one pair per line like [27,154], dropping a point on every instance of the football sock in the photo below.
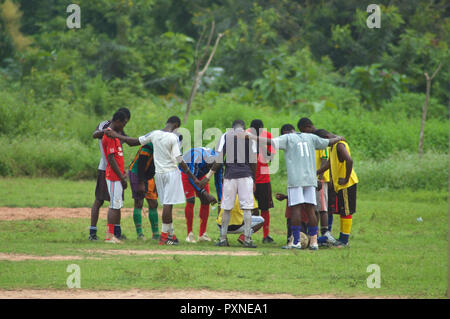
[346,227]
[117,230]
[153,217]
[312,231]
[189,214]
[110,228]
[322,239]
[266,216]
[296,233]
[247,224]
[330,221]
[137,218]
[92,230]
[204,214]
[225,222]
[323,230]
[167,228]
[289,230]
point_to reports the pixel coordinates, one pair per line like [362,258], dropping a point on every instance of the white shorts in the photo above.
[115,194]
[170,188]
[239,186]
[301,195]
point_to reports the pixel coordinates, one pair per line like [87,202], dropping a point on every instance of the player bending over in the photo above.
[141,173]
[199,160]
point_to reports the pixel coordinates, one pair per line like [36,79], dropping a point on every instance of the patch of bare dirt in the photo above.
[22,257]
[28,213]
[157,294]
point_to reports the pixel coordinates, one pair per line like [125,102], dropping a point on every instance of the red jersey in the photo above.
[262,168]
[113,146]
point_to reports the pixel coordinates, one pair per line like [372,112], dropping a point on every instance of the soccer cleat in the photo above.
[141,237]
[294,246]
[93,237]
[190,238]
[113,240]
[241,239]
[314,247]
[248,244]
[340,244]
[223,243]
[204,237]
[330,237]
[168,240]
[156,236]
[267,240]
[290,241]
[122,237]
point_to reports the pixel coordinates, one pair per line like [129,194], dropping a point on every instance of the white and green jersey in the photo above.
[300,157]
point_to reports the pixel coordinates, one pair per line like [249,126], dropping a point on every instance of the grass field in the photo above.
[412,254]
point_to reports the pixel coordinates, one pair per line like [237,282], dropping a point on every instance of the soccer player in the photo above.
[263,193]
[199,161]
[240,169]
[345,181]
[305,125]
[236,224]
[167,156]
[141,172]
[115,176]
[302,180]
[101,190]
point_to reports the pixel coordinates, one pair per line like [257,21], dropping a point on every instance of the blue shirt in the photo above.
[197,159]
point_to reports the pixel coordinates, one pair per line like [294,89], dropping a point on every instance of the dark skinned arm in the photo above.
[131,141]
[188,172]
[323,168]
[116,169]
[343,155]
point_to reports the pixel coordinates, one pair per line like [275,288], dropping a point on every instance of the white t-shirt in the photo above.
[165,150]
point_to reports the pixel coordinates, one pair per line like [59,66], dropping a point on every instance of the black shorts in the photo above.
[101,189]
[263,195]
[332,200]
[347,200]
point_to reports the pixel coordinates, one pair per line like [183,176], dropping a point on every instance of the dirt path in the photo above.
[158,294]
[27,213]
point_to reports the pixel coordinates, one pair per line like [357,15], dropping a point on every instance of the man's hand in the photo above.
[208,198]
[254,187]
[280,196]
[342,181]
[123,181]
[110,133]
[319,185]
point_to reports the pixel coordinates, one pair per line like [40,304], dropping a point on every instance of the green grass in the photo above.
[412,255]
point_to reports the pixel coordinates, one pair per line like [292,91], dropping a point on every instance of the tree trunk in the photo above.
[425,108]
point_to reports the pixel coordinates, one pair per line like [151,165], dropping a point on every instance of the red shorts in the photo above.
[189,190]
[304,216]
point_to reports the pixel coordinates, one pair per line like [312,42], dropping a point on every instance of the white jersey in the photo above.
[166,149]
[102,164]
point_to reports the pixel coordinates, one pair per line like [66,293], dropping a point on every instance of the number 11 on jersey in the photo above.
[303,145]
